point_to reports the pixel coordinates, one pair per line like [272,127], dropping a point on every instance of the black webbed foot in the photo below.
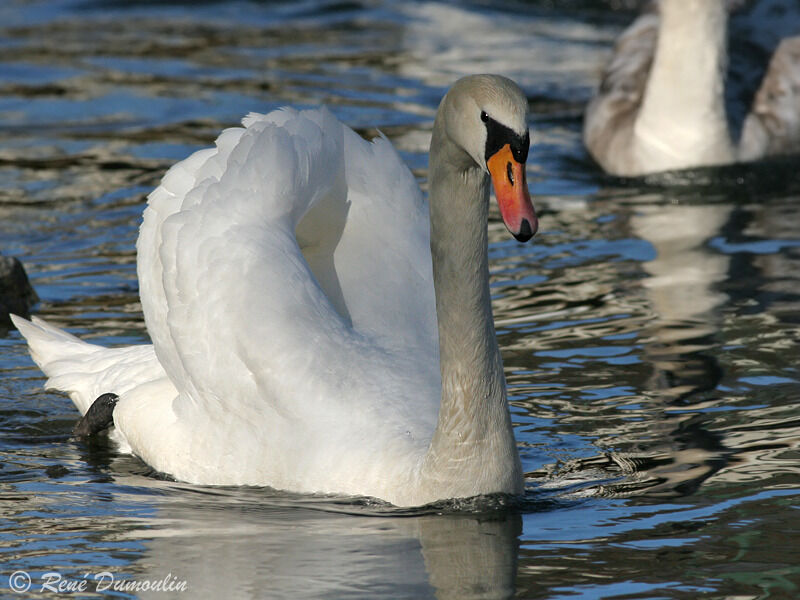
[98,417]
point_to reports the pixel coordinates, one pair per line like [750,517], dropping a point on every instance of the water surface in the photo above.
[649,333]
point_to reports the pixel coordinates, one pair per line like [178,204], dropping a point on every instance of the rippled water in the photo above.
[650,333]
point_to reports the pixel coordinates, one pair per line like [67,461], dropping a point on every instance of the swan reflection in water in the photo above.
[680,427]
[256,542]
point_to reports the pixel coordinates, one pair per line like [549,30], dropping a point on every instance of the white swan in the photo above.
[287,279]
[661,103]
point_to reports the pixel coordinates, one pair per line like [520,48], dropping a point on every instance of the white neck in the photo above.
[682,120]
[473,450]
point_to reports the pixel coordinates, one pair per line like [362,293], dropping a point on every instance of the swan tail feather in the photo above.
[83,370]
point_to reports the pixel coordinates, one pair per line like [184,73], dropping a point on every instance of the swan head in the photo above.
[486,116]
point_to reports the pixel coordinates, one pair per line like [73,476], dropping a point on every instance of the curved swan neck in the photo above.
[687,82]
[467,344]
[473,450]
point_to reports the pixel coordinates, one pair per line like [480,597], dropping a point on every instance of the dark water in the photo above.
[650,333]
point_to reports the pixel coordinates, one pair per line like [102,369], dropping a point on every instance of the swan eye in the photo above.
[484,116]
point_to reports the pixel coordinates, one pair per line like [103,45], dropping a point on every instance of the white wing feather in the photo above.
[286,283]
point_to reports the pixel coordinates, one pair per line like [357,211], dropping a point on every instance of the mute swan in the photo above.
[661,103]
[292,281]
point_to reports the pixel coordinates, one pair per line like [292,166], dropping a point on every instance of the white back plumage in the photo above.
[286,283]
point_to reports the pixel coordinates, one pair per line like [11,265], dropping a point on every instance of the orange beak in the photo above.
[511,189]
